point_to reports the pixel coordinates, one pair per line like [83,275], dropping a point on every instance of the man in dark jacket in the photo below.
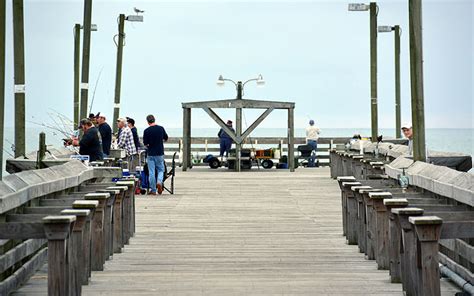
[131,125]
[90,141]
[106,134]
[225,140]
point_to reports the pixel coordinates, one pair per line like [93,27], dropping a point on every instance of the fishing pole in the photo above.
[95,88]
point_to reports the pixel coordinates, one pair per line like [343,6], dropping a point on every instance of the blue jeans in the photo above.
[314,145]
[225,145]
[155,162]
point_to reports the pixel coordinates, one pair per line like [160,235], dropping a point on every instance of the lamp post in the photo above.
[373,8]
[396,29]
[238,111]
[77,69]
[118,73]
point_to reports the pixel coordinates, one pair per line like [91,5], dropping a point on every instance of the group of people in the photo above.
[97,140]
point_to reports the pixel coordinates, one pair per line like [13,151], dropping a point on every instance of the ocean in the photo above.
[438,139]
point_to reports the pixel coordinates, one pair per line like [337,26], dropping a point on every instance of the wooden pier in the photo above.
[251,233]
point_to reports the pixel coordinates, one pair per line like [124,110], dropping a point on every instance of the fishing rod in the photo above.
[95,88]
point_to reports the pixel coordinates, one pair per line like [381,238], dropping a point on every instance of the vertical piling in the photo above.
[373,69]
[41,151]
[19,73]
[86,47]
[2,79]
[118,73]
[416,76]
[186,138]
[291,140]
[238,128]
[77,69]
[398,116]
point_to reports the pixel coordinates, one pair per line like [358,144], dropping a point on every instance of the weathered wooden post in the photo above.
[77,70]
[41,151]
[2,80]
[373,69]
[398,113]
[19,77]
[109,221]
[341,180]
[98,239]
[77,250]
[86,48]
[129,209]
[394,233]
[186,139]
[428,232]
[118,72]
[90,205]
[57,230]
[381,222]
[291,139]
[118,218]
[416,77]
[359,198]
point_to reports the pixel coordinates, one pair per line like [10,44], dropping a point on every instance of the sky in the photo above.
[313,53]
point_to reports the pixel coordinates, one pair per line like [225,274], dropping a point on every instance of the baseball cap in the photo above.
[131,120]
[102,115]
[229,122]
[84,121]
[121,120]
[407,125]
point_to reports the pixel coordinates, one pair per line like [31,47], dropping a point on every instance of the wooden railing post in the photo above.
[351,212]
[77,251]
[408,249]
[90,205]
[57,230]
[394,233]
[359,198]
[98,240]
[129,209]
[118,219]
[428,231]
[109,223]
[381,225]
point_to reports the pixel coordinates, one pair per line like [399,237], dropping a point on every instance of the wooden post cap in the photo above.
[376,163]
[85,204]
[125,183]
[357,188]
[76,212]
[97,195]
[367,190]
[121,188]
[408,211]
[349,184]
[393,202]
[112,191]
[60,219]
[380,195]
[346,178]
[357,156]
[425,220]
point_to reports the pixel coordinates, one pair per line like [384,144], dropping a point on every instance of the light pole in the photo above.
[2,79]
[238,111]
[373,8]
[120,44]
[77,69]
[396,29]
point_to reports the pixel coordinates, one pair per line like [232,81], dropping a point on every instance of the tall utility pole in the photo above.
[238,128]
[77,69]
[416,74]
[373,69]
[2,79]
[118,73]
[398,116]
[19,72]
[86,47]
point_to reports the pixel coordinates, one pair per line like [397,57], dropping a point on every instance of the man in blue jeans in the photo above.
[312,136]
[153,138]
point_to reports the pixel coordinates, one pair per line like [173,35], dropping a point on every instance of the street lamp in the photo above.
[396,29]
[77,53]
[239,85]
[120,43]
[373,8]
[238,111]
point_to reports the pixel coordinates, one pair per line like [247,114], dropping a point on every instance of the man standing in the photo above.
[408,133]
[133,128]
[312,136]
[90,142]
[125,141]
[225,140]
[153,138]
[105,133]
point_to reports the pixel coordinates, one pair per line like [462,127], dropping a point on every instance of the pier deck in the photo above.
[251,233]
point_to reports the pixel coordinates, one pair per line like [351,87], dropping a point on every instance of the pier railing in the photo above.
[408,216]
[71,216]
[202,146]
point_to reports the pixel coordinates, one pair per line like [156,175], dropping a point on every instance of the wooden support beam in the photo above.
[291,139]
[222,124]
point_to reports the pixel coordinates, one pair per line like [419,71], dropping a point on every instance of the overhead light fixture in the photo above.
[220,81]
[385,29]
[260,80]
[358,7]
[93,27]
[134,18]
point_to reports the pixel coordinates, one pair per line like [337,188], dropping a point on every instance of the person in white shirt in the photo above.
[407,130]
[312,136]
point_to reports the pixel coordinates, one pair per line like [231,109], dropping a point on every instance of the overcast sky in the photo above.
[313,53]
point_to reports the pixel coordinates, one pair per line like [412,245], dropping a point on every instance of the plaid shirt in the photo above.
[125,141]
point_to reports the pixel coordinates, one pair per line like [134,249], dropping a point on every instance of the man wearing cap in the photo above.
[133,128]
[407,131]
[105,133]
[90,142]
[312,136]
[225,140]
[153,137]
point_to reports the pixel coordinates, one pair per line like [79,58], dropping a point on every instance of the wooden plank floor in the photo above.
[253,233]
